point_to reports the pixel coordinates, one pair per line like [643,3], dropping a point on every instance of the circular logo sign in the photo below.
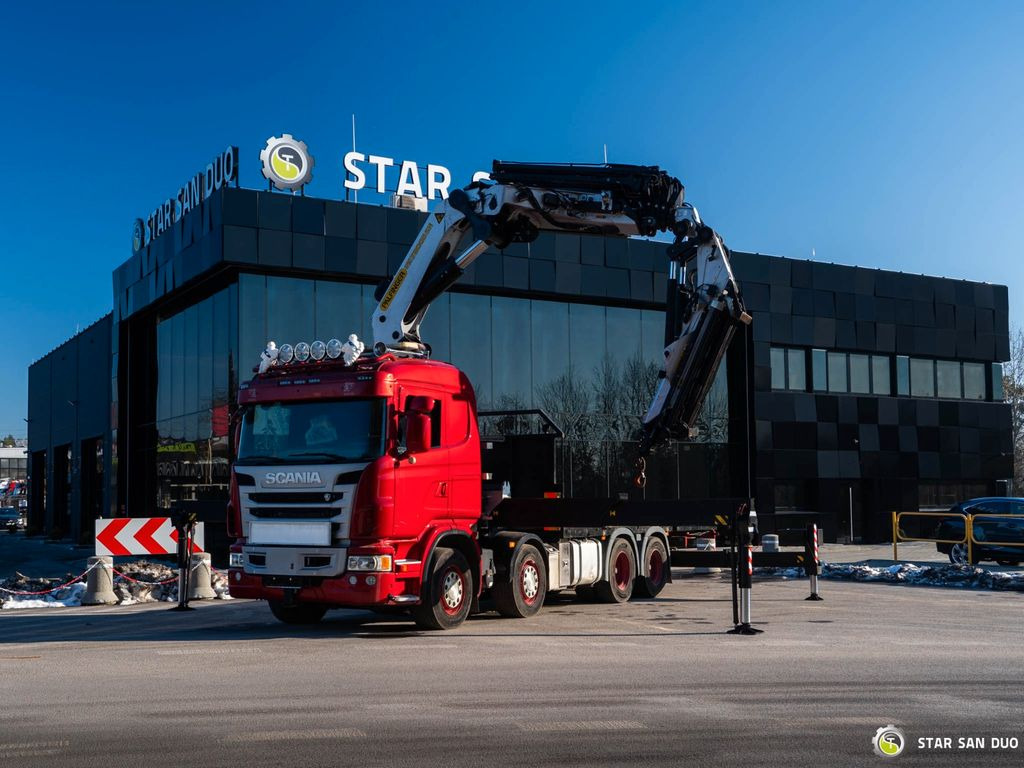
[889,741]
[287,163]
[138,235]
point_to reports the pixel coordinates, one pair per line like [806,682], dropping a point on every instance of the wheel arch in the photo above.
[460,541]
[619,533]
[654,533]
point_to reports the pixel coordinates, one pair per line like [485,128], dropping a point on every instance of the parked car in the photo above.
[1000,530]
[12,519]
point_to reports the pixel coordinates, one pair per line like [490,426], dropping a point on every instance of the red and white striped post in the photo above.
[745,574]
[811,548]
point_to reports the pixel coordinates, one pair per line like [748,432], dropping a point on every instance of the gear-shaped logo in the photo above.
[287,163]
[889,741]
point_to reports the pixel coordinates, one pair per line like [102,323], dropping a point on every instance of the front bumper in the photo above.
[349,590]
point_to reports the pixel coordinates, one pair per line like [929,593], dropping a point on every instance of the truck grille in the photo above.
[296,497]
[294,513]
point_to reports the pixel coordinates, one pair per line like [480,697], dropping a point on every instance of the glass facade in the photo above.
[592,368]
[196,379]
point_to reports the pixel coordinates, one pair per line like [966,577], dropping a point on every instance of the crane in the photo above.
[703,305]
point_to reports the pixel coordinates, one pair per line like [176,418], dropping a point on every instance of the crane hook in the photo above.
[640,479]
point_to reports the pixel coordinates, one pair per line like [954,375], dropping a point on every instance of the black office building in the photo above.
[864,385]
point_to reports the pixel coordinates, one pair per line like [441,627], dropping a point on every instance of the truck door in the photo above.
[422,479]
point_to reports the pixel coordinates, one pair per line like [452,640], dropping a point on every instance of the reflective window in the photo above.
[860,374]
[818,371]
[997,381]
[796,369]
[902,375]
[653,331]
[778,361]
[588,334]
[837,372]
[290,310]
[880,383]
[922,378]
[471,341]
[252,321]
[948,379]
[511,356]
[974,381]
[338,311]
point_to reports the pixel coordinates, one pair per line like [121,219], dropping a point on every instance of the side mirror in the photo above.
[417,435]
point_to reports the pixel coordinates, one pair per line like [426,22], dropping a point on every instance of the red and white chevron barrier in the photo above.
[141,536]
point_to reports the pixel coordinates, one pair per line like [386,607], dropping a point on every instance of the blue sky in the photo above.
[878,133]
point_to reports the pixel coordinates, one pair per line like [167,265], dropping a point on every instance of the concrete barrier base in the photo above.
[99,585]
[200,584]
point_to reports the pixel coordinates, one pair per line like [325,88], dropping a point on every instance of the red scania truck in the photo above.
[357,478]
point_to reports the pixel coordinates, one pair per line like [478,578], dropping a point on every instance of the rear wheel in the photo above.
[618,587]
[305,613]
[657,571]
[522,594]
[447,592]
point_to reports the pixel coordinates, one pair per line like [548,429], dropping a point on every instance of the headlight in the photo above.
[369,562]
[236,560]
[334,349]
[285,353]
[302,351]
[317,350]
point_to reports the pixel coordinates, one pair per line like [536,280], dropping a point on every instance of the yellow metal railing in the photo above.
[969,537]
[898,536]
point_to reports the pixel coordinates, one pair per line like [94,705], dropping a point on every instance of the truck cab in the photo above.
[347,478]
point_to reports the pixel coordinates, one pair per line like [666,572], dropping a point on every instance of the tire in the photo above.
[618,587]
[522,594]
[447,592]
[1010,563]
[303,613]
[657,571]
[958,555]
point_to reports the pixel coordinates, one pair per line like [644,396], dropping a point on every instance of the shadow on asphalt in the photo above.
[213,622]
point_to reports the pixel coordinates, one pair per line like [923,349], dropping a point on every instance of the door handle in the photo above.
[442,488]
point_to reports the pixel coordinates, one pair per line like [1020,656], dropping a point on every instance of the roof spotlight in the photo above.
[317,350]
[333,349]
[285,353]
[302,351]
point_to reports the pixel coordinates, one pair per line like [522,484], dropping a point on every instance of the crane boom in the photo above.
[703,303]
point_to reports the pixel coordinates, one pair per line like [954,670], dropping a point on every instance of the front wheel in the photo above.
[657,571]
[521,595]
[447,592]
[304,613]
[958,555]
[618,586]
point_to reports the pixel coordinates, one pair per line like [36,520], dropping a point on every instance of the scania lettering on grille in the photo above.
[292,478]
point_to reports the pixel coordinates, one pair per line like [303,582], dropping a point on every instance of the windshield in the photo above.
[316,432]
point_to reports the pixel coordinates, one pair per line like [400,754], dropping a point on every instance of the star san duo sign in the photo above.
[288,165]
[219,172]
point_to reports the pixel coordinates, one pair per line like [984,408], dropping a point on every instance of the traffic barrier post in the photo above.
[811,562]
[744,572]
[99,585]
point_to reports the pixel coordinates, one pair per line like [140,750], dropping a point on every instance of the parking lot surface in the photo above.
[649,683]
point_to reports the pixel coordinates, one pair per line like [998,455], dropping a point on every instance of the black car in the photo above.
[1002,530]
[12,519]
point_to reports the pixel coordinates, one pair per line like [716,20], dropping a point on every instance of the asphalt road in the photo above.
[649,683]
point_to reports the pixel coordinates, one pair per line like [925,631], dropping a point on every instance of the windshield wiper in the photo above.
[325,454]
[256,457]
